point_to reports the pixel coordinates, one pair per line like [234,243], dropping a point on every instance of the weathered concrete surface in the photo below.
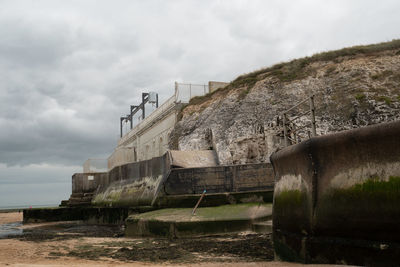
[337,197]
[214,199]
[133,184]
[220,179]
[84,186]
[191,159]
[156,182]
[93,215]
[87,183]
[148,139]
[180,222]
[213,85]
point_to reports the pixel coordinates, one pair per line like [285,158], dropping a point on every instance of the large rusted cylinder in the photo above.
[337,197]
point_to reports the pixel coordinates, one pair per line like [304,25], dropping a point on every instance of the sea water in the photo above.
[10,229]
[23,196]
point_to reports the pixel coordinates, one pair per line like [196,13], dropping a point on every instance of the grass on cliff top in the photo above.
[296,69]
[292,70]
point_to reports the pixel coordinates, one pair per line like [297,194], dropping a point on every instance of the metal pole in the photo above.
[120,125]
[143,112]
[198,202]
[176,91]
[132,107]
[295,133]
[190,91]
[312,108]
[285,130]
[156,100]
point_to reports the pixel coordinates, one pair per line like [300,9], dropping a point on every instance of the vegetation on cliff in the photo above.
[297,68]
[353,87]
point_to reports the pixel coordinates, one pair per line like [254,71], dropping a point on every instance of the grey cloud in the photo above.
[24,45]
[70,69]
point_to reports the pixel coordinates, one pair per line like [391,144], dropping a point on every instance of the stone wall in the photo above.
[337,197]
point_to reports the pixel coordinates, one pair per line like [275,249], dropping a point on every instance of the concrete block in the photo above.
[342,188]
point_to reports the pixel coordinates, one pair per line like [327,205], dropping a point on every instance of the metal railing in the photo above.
[186,91]
[163,109]
[293,133]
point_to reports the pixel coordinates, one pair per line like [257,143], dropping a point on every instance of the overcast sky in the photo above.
[70,69]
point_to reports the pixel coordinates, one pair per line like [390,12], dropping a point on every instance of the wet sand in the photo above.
[78,244]
[10,217]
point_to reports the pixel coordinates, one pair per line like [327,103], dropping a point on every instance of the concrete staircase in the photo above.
[80,199]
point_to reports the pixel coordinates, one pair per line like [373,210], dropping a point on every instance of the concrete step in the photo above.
[64,203]
[262,227]
[179,222]
[76,195]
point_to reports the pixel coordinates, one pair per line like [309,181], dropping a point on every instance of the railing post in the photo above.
[143,107]
[294,134]
[176,91]
[312,109]
[285,130]
[120,125]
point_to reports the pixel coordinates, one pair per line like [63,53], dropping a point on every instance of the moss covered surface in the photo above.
[212,200]
[238,211]
[210,220]
[292,210]
[97,215]
[374,204]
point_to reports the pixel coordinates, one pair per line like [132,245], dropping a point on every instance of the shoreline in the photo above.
[79,244]
[10,210]
[10,217]
[21,208]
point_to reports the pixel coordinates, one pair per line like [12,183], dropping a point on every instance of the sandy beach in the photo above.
[10,217]
[78,244]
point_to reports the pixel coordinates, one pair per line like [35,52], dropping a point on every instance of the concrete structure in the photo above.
[95,166]
[177,223]
[84,186]
[337,198]
[213,86]
[149,138]
[161,182]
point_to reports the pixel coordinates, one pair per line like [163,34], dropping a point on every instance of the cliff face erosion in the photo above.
[353,87]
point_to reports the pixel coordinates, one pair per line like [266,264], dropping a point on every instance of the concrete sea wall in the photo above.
[156,182]
[223,184]
[133,184]
[87,183]
[83,187]
[337,197]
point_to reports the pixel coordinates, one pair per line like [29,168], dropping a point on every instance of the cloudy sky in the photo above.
[70,69]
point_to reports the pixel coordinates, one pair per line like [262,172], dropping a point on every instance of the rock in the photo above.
[241,122]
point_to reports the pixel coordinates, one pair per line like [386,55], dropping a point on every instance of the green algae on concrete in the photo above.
[374,204]
[214,199]
[293,210]
[180,222]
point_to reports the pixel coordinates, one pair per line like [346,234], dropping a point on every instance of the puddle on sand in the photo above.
[10,229]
